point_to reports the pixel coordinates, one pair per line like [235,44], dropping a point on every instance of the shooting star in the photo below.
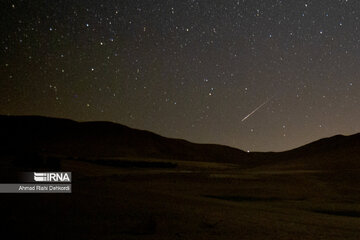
[260,106]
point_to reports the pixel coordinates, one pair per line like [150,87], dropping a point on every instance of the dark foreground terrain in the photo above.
[309,193]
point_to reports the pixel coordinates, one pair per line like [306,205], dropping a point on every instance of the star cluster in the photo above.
[188,69]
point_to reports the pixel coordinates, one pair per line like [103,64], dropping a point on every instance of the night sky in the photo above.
[256,75]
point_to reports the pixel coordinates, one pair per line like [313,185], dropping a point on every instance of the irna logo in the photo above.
[51,177]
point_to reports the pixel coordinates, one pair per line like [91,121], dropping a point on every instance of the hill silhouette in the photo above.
[64,137]
[67,138]
[337,152]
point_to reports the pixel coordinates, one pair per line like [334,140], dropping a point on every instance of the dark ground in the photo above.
[192,201]
[132,184]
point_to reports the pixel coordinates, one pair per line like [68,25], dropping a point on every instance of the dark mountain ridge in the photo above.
[63,137]
[102,139]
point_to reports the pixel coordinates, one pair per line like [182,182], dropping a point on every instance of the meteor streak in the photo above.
[260,106]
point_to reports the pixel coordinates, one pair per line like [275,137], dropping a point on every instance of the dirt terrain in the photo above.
[192,201]
[132,184]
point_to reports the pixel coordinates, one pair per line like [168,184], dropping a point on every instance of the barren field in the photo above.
[191,200]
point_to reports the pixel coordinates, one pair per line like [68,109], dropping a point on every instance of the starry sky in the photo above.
[259,75]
